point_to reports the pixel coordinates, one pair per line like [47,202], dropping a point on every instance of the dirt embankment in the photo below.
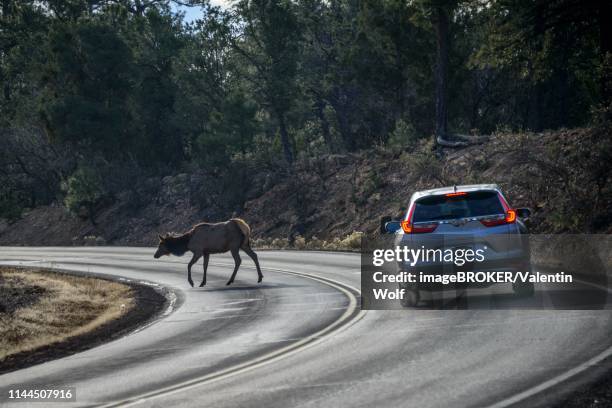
[564,176]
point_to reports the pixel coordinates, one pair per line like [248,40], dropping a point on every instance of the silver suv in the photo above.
[469,217]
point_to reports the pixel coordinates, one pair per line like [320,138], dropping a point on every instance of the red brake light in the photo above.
[410,228]
[407,223]
[456,194]
[421,228]
[508,218]
[418,228]
[492,222]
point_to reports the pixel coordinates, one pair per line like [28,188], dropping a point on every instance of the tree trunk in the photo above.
[343,123]
[324,124]
[442,34]
[537,122]
[285,139]
[139,8]
[91,213]
[6,88]
[605,49]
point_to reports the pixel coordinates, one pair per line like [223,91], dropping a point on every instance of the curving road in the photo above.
[299,339]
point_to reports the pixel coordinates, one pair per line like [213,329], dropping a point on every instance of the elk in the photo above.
[210,238]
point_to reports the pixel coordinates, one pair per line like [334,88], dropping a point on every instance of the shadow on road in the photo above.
[238,287]
[585,298]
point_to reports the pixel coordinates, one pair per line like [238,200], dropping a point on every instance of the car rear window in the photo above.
[441,207]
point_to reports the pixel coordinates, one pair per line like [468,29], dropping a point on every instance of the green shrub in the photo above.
[84,190]
[11,205]
[424,165]
[403,136]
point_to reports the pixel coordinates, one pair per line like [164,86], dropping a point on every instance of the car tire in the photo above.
[412,296]
[523,289]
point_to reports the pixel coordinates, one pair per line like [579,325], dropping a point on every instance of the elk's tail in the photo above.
[245,229]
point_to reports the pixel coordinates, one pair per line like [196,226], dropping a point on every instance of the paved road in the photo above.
[299,339]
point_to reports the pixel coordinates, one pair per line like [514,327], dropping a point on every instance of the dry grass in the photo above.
[68,306]
[351,242]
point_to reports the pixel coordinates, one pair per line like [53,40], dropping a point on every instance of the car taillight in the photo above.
[508,218]
[493,221]
[418,228]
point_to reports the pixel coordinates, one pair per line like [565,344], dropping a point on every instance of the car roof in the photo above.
[452,189]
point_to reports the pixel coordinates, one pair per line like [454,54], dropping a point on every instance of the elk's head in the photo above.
[162,248]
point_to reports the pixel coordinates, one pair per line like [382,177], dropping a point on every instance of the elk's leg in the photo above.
[253,256]
[237,262]
[194,259]
[206,257]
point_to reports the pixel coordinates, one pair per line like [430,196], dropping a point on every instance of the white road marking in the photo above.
[347,319]
[561,377]
[553,381]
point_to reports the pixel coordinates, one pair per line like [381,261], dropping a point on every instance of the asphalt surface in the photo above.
[299,339]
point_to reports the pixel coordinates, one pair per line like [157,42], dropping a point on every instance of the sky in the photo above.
[193,13]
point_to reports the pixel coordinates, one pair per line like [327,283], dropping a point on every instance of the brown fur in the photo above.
[211,238]
[244,227]
[177,245]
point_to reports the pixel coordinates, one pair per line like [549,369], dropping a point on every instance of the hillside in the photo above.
[563,175]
